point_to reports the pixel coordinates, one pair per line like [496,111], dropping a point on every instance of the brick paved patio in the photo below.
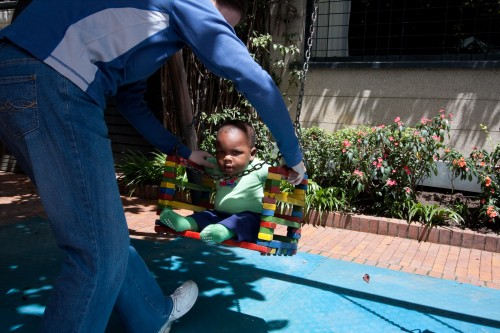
[19,200]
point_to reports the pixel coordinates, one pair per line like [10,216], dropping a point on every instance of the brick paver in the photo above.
[18,201]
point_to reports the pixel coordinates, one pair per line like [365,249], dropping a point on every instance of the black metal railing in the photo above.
[7,5]
[407,30]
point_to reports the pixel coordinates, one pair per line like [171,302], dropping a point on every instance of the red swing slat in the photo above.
[160,228]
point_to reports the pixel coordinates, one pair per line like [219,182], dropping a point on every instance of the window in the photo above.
[443,33]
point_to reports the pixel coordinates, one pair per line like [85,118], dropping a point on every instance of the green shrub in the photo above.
[384,164]
[485,166]
[432,214]
[137,169]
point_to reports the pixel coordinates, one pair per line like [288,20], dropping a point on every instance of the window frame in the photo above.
[444,61]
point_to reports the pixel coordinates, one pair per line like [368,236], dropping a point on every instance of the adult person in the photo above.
[59,61]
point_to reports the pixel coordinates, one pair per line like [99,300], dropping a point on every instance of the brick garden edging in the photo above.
[400,228]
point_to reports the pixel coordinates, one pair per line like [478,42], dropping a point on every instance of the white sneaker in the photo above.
[183,299]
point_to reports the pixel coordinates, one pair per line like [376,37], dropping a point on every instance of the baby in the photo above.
[238,200]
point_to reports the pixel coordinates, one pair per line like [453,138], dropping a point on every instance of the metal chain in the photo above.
[296,123]
[305,69]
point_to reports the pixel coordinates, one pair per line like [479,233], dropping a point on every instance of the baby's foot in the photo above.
[177,222]
[216,233]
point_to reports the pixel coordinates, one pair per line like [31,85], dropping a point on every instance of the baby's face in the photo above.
[233,151]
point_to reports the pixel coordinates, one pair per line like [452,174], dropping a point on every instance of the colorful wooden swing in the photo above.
[269,240]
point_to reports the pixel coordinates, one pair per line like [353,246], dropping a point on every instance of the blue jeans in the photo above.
[59,137]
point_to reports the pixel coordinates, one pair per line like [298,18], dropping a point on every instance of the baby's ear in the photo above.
[253,152]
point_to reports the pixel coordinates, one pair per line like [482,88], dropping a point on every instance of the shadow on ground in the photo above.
[241,291]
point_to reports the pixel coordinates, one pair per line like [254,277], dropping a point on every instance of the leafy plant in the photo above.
[384,163]
[431,214]
[485,166]
[328,199]
[138,169]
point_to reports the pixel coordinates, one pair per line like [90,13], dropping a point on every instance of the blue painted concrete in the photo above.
[242,291]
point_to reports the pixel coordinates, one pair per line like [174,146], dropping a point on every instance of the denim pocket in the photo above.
[18,105]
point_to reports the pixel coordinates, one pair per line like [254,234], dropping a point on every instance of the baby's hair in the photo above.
[243,126]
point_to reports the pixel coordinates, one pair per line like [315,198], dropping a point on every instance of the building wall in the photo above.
[335,98]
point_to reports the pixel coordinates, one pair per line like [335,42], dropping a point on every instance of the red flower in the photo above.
[487,181]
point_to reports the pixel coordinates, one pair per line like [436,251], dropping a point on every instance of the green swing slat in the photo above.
[191,186]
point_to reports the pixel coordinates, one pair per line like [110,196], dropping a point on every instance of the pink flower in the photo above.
[491,212]
[408,190]
[407,169]
[397,120]
[391,182]
[358,173]
[346,143]
[391,138]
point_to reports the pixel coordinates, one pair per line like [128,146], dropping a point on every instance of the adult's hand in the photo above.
[200,157]
[296,174]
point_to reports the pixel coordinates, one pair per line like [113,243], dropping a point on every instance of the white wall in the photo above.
[335,98]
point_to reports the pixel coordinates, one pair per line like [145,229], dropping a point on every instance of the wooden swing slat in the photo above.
[281,221]
[160,228]
[181,205]
[191,186]
[288,199]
